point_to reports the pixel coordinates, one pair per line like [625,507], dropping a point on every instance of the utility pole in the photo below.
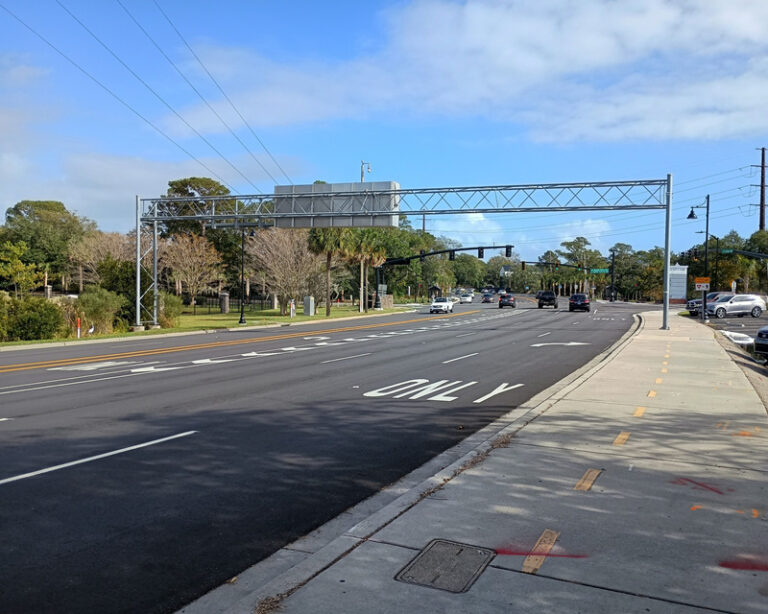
[613,275]
[762,189]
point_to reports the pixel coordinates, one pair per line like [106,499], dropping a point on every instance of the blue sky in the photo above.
[433,93]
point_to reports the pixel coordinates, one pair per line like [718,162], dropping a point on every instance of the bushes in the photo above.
[100,308]
[170,309]
[29,319]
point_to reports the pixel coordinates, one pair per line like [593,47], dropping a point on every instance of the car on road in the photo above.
[547,298]
[737,305]
[507,300]
[761,342]
[694,305]
[487,298]
[465,298]
[441,304]
[578,301]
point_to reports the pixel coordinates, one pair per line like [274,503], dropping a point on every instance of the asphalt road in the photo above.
[205,454]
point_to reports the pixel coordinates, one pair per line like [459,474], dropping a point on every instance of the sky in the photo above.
[103,101]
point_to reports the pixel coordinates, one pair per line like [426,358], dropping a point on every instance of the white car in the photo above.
[441,304]
[465,298]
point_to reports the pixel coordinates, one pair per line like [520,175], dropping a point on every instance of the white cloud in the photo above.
[577,69]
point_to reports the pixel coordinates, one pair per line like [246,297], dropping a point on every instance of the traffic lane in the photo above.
[173,487]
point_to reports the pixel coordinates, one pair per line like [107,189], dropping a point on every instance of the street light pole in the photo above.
[242,277]
[362,170]
[692,216]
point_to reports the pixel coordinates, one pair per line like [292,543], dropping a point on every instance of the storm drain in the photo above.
[446,565]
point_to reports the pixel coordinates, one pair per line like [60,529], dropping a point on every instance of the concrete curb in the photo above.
[265,596]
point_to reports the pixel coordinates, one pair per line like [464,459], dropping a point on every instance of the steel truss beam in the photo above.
[259,210]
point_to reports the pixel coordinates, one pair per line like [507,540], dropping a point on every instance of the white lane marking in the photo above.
[569,343]
[346,358]
[93,366]
[62,385]
[544,334]
[154,369]
[595,311]
[212,361]
[93,458]
[465,335]
[5,419]
[445,362]
[499,390]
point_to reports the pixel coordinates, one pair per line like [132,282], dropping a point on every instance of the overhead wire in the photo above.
[223,93]
[155,93]
[197,91]
[114,94]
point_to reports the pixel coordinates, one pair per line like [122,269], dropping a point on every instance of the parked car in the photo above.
[737,305]
[465,298]
[441,304]
[694,305]
[761,342]
[487,298]
[547,297]
[507,300]
[578,301]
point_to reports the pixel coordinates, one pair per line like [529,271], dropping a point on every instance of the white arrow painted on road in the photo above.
[540,345]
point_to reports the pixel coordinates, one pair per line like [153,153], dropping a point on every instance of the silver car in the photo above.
[694,305]
[737,305]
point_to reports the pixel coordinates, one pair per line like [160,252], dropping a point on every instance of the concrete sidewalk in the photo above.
[638,487]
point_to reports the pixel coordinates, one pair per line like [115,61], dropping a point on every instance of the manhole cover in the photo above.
[446,565]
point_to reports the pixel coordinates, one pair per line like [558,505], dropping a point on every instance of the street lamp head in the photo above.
[692,215]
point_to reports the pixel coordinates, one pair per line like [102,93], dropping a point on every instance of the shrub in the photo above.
[33,318]
[100,307]
[170,309]
[4,304]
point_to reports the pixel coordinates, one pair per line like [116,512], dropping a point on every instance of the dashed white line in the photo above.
[445,362]
[544,334]
[93,458]
[346,358]
[465,335]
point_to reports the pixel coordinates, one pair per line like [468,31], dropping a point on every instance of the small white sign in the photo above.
[702,287]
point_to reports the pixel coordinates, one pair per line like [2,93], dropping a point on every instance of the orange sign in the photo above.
[701,280]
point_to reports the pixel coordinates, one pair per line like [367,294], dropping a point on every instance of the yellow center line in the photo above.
[588,479]
[639,412]
[621,438]
[200,346]
[535,560]
[665,370]
[651,393]
[659,380]
[665,363]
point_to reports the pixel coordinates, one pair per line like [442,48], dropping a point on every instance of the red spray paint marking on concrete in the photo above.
[756,565]
[702,485]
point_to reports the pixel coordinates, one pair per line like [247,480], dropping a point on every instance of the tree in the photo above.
[291,270]
[330,243]
[469,271]
[90,250]
[23,277]
[194,262]
[47,228]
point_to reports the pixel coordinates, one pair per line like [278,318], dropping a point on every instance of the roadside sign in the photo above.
[733,286]
[598,270]
[701,280]
[726,251]
[702,286]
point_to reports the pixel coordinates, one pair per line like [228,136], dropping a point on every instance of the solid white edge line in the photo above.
[346,358]
[445,362]
[93,458]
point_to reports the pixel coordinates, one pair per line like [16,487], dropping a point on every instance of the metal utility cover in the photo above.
[446,565]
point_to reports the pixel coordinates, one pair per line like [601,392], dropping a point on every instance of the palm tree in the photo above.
[328,241]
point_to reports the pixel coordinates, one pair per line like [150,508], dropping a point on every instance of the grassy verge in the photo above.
[190,322]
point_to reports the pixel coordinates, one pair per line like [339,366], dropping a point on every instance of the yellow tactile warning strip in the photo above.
[535,560]
[86,359]
[651,393]
[588,479]
[659,380]
[621,438]
[639,412]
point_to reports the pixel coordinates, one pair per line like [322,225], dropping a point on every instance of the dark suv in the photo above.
[578,301]
[547,297]
[507,300]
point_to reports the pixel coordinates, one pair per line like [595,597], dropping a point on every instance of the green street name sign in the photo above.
[726,251]
[598,270]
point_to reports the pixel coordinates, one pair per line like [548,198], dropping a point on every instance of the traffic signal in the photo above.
[522,265]
[557,265]
[452,255]
[508,251]
[421,255]
[480,252]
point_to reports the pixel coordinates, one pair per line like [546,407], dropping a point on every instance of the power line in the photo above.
[158,96]
[111,93]
[216,83]
[191,85]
